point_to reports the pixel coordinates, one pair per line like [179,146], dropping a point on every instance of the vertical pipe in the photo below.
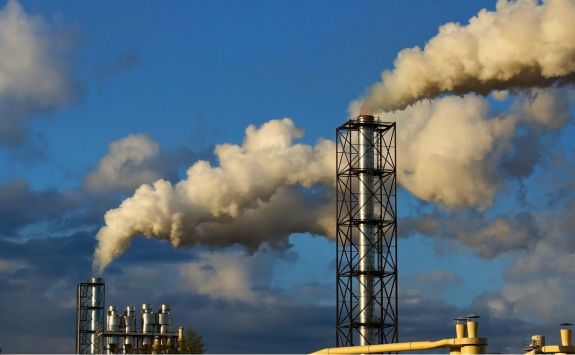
[565,337]
[148,321]
[471,329]
[96,308]
[180,339]
[366,262]
[459,330]
[129,327]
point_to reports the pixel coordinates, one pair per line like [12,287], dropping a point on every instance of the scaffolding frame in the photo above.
[352,275]
[90,315]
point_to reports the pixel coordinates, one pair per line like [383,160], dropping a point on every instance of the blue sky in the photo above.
[185,76]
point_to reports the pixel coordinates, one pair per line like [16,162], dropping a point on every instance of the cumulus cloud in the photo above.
[34,79]
[124,167]
[520,45]
[206,207]
[135,160]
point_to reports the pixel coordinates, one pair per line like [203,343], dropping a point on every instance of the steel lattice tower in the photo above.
[367,311]
[90,316]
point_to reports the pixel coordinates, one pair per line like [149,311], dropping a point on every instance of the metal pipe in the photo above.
[565,337]
[180,339]
[366,262]
[129,327]
[148,322]
[96,305]
[479,343]
[471,329]
[113,325]
[165,322]
[460,330]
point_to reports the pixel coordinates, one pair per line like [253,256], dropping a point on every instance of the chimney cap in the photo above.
[365,118]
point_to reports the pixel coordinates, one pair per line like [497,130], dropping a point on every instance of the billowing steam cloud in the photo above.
[522,44]
[262,191]
[455,153]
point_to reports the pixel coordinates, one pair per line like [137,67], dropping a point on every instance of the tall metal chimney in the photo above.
[366,233]
[366,237]
[90,315]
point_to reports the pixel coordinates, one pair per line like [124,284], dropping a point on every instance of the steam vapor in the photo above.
[454,152]
[262,191]
[520,45]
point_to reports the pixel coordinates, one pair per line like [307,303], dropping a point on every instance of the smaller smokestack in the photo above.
[165,322]
[180,339]
[460,327]
[113,325]
[472,326]
[566,334]
[129,327]
[147,322]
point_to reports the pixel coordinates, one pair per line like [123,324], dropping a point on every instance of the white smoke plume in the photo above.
[522,44]
[270,187]
[449,148]
[262,191]
[455,153]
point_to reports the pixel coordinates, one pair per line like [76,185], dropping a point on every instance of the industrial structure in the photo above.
[90,301]
[367,307]
[120,333]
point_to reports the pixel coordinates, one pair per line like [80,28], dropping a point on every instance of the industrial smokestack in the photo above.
[366,232]
[96,285]
[129,327]
[113,325]
[366,237]
[90,316]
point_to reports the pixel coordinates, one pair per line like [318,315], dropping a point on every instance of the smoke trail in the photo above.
[522,44]
[262,191]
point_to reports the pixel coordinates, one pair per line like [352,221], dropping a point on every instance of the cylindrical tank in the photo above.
[113,325]
[366,228]
[129,327]
[148,322]
[165,322]
[96,308]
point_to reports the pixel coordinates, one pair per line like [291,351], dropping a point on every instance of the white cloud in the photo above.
[126,166]
[34,79]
